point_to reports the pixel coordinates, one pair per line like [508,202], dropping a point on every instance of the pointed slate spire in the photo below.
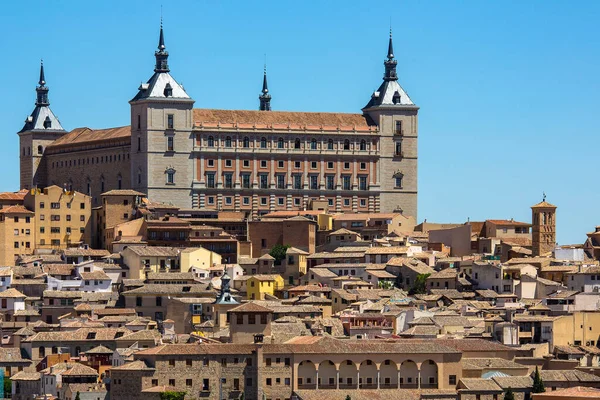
[265,97]
[161,54]
[390,47]
[390,64]
[42,81]
[42,90]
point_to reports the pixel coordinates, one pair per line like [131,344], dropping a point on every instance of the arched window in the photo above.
[330,144]
[119,182]
[228,141]
[280,143]
[54,350]
[297,144]
[363,144]
[211,141]
[346,144]
[170,176]
[40,149]
[246,142]
[313,144]
[42,352]
[263,143]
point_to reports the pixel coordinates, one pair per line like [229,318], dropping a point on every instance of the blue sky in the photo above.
[508,90]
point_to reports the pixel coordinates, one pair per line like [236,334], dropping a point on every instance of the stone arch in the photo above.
[307,374]
[348,375]
[388,374]
[368,375]
[327,375]
[429,374]
[409,374]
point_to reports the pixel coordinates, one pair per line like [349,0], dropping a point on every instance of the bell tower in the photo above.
[41,128]
[543,228]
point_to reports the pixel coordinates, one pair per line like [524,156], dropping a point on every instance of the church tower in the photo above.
[544,228]
[161,135]
[41,128]
[395,115]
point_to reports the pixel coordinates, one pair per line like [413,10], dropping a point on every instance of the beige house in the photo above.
[144,259]
[197,257]
[17,232]
[62,217]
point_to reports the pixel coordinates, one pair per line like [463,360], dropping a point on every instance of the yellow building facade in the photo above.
[198,257]
[17,232]
[582,328]
[260,285]
[62,217]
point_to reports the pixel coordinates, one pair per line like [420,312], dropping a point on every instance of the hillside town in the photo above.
[148,298]
[234,254]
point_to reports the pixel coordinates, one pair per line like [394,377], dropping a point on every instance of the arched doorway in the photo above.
[307,375]
[327,375]
[429,374]
[348,375]
[409,374]
[388,374]
[368,375]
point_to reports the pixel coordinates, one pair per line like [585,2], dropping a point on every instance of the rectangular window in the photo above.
[297,181]
[246,163]
[263,164]
[264,181]
[398,182]
[280,164]
[246,201]
[228,163]
[330,182]
[346,182]
[330,165]
[188,382]
[170,121]
[399,131]
[55,206]
[54,229]
[210,180]
[452,379]
[297,164]
[362,183]
[210,163]
[314,182]
[363,166]
[246,181]
[346,165]
[281,201]
[280,181]
[228,180]
[170,143]
[263,201]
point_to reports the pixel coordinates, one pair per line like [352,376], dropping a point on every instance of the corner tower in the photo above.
[543,231]
[161,135]
[395,115]
[41,128]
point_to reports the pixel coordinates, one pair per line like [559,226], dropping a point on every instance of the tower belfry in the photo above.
[543,231]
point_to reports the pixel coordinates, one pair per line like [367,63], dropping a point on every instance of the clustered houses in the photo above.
[274,255]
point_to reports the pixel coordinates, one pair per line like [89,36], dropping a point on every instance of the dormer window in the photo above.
[396,97]
[168,92]
[47,123]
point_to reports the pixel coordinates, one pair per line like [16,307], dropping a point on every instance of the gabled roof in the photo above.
[156,85]
[250,307]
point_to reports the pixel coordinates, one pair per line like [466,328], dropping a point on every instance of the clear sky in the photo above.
[508,90]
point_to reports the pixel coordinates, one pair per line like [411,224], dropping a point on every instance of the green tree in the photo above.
[419,286]
[509,395]
[7,386]
[77,397]
[538,383]
[172,396]
[278,252]
[348,397]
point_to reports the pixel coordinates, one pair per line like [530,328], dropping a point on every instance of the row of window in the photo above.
[281,164]
[280,201]
[23,232]
[56,229]
[27,245]
[56,217]
[90,160]
[280,181]
[56,206]
[313,144]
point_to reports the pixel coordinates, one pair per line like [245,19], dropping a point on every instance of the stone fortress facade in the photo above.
[234,160]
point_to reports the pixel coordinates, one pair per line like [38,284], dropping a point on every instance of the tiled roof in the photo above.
[170,276]
[364,216]
[480,385]
[138,365]
[278,119]
[81,334]
[75,252]
[543,204]
[100,350]
[172,289]
[78,369]
[310,288]
[568,376]
[122,192]
[155,251]
[11,293]
[26,376]
[576,392]
[489,363]
[20,195]
[95,275]
[87,135]
[15,210]
[515,382]
[507,222]
[250,307]
[387,250]
[448,273]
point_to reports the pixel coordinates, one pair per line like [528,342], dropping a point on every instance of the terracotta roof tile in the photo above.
[87,135]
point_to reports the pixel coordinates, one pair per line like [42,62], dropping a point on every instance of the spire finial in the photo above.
[42,81]
[265,97]
[161,39]
[390,47]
